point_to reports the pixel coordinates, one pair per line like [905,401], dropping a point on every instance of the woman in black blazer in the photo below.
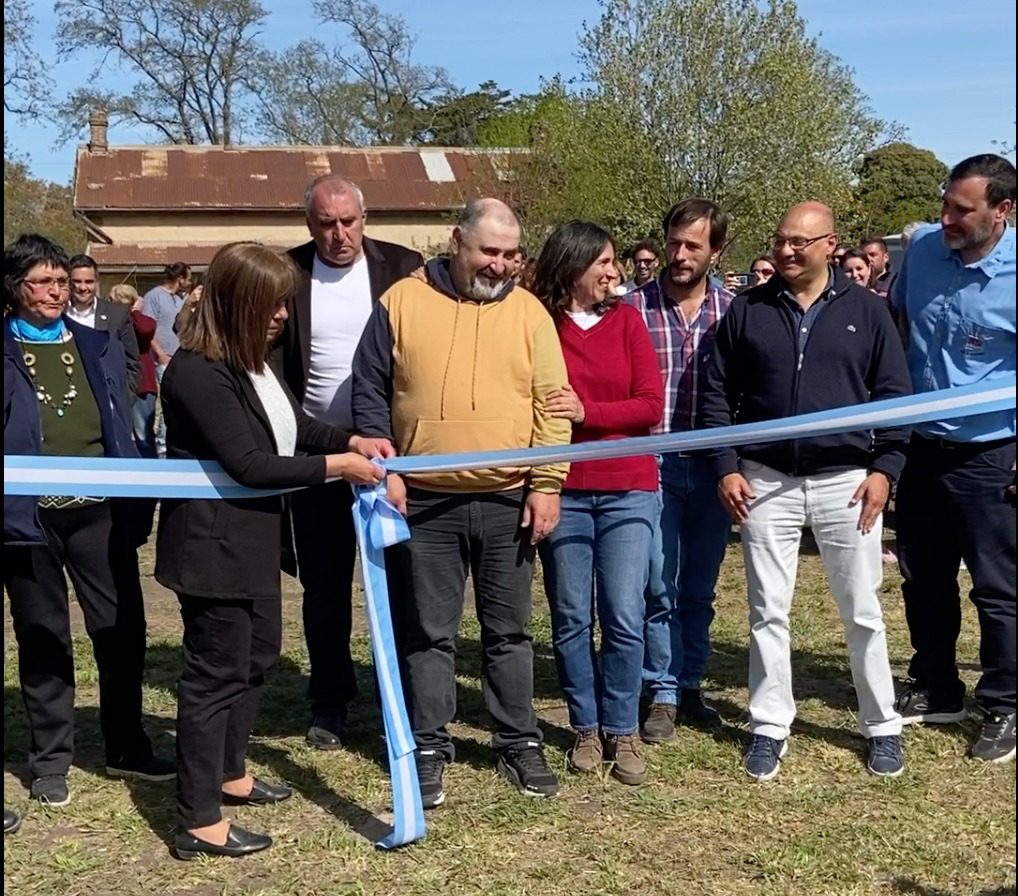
[222,402]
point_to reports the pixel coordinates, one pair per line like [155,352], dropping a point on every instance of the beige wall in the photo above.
[424,231]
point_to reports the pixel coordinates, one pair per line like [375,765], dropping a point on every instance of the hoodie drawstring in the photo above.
[473,373]
[448,360]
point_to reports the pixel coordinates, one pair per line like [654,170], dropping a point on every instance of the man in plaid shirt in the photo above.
[682,309]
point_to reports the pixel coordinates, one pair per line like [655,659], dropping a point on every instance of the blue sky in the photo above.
[945,69]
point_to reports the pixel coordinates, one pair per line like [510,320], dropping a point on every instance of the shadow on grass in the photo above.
[816,675]
[156,802]
[284,707]
[309,783]
[909,886]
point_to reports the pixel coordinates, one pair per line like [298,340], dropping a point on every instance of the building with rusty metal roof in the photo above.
[148,206]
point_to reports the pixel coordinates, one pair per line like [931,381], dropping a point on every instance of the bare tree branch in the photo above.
[190,58]
[26,83]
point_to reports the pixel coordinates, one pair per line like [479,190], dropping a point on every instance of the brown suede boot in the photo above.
[587,753]
[623,750]
[659,726]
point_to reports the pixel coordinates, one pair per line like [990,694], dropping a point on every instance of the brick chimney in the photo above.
[98,124]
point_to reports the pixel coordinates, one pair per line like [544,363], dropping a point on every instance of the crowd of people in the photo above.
[310,369]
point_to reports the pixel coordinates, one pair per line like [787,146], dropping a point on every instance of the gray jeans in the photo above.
[454,534]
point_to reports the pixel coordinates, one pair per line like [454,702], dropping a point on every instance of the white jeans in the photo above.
[770,545]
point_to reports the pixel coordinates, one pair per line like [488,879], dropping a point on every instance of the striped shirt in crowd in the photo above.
[682,349]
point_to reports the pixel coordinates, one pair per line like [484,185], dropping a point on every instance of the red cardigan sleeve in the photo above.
[646,404]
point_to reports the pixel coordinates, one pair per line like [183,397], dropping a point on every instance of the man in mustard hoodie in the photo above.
[462,361]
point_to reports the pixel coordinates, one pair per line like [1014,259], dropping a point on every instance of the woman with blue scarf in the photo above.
[65,395]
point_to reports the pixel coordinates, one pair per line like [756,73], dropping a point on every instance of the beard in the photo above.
[981,234]
[686,275]
[484,289]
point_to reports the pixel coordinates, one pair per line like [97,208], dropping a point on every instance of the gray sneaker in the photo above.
[921,706]
[659,726]
[996,739]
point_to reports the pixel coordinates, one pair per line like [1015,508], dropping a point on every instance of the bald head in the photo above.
[803,244]
[328,185]
[814,217]
[487,210]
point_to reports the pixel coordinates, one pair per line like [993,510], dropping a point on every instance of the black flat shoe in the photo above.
[12,821]
[239,842]
[261,795]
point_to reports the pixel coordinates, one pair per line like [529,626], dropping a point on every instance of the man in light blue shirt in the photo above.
[163,304]
[956,498]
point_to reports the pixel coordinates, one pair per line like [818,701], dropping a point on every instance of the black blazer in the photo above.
[387,263]
[115,317]
[231,548]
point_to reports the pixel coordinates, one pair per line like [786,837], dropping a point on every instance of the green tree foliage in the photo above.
[898,183]
[727,99]
[188,64]
[578,160]
[459,119]
[35,206]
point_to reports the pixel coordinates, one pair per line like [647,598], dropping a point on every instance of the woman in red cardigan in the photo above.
[596,560]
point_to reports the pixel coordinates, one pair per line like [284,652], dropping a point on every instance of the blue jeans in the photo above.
[689,545]
[143,420]
[160,424]
[596,560]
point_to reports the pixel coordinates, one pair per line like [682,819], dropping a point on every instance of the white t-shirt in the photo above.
[278,409]
[584,319]
[340,308]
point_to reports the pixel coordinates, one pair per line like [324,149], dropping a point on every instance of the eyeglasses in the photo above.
[763,272]
[796,242]
[644,262]
[44,284]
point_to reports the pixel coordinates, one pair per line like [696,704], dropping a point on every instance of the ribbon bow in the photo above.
[380,525]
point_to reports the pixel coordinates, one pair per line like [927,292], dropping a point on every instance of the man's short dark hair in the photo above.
[176,271]
[82,261]
[998,171]
[689,211]
[651,246]
[873,240]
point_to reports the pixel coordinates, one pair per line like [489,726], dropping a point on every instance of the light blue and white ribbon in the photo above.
[380,525]
[121,478]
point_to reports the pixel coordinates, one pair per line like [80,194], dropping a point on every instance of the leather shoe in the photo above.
[696,712]
[326,731]
[12,821]
[261,795]
[239,842]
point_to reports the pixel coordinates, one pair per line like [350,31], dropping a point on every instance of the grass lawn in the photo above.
[947,826]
